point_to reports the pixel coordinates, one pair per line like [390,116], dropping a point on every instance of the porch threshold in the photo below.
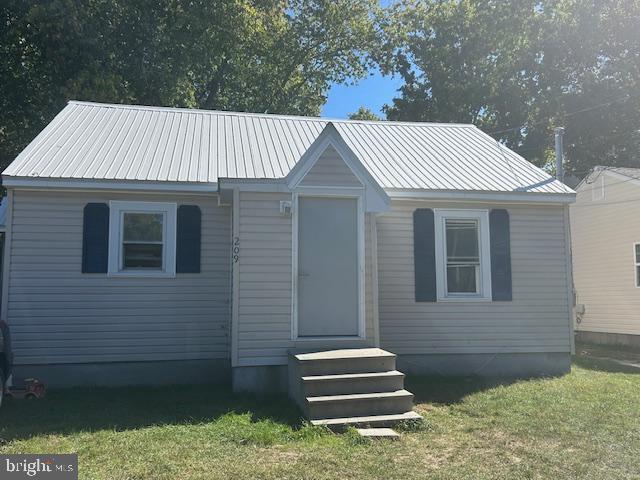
[340,354]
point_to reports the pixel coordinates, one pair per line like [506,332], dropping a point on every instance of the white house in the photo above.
[606,256]
[155,245]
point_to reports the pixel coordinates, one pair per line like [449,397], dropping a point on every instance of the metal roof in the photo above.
[94,141]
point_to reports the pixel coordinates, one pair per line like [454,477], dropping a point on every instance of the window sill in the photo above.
[141,274]
[465,299]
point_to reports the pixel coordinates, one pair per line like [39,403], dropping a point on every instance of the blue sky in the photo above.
[372,92]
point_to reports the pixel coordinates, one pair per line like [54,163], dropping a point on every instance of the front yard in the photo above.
[585,425]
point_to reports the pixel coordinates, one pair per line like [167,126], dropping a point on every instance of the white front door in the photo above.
[328,267]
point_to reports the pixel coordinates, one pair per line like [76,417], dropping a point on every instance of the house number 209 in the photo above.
[236,249]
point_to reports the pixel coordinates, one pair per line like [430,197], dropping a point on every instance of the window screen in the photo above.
[463,257]
[142,240]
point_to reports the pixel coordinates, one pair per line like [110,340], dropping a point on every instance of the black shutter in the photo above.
[95,238]
[424,255]
[188,239]
[500,255]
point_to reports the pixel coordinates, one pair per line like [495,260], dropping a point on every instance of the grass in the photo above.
[584,425]
[624,354]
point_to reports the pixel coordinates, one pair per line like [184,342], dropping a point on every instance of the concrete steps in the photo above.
[345,361]
[378,433]
[317,385]
[368,421]
[381,403]
[359,387]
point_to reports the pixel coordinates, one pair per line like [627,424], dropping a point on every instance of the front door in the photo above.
[327,267]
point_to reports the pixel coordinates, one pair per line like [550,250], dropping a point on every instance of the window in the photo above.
[462,255]
[142,239]
[636,257]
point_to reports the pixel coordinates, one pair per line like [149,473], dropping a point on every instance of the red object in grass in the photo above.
[28,388]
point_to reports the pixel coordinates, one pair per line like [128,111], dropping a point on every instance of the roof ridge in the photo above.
[270,115]
[617,167]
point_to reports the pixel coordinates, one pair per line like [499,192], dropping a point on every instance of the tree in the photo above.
[517,69]
[250,55]
[364,113]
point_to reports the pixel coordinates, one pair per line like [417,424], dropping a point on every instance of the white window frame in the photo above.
[117,209]
[636,264]
[484,249]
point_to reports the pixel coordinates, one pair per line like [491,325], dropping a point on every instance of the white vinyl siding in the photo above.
[597,188]
[330,170]
[536,320]
[603,235]
[264,302]
[265,277]
[60,315]
[368,280]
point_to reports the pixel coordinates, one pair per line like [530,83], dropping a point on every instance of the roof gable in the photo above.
[330,145]
[330,170]
[620,175]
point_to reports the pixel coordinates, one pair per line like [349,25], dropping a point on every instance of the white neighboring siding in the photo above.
[265,276]
[603,233]
[330,169]
[537,320]
[60,315]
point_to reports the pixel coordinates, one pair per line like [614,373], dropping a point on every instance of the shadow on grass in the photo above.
[93,409]
[450,390]
[86,410]
[604,365]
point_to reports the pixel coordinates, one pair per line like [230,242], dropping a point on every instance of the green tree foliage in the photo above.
[364,113]
[519,68]
[250,55]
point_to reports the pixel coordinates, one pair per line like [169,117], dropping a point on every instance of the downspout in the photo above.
[571,294]
[559,131]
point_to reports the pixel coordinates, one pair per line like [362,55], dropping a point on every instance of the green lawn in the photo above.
[585,425]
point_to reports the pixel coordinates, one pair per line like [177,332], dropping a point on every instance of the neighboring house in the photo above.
[605,226]
[150,245]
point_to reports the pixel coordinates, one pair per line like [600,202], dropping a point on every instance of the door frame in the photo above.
[333,192]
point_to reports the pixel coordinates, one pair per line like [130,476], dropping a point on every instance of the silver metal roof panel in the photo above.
[95,141]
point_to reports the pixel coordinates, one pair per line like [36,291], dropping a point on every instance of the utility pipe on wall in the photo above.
[559,131]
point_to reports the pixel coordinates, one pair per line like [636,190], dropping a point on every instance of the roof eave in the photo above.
[481,196]
[99,184]
[279,185]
